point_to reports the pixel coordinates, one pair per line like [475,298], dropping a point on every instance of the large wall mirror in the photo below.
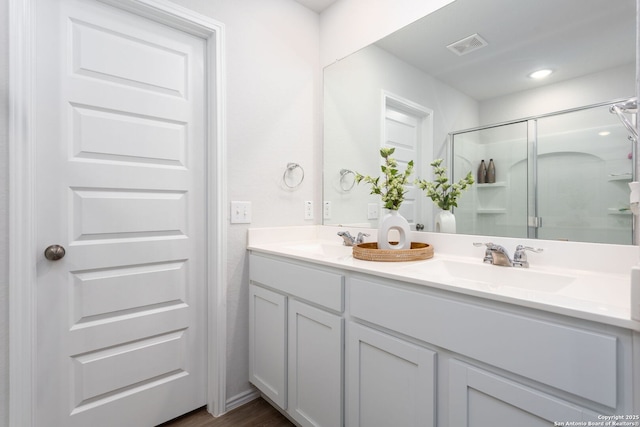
[436,88]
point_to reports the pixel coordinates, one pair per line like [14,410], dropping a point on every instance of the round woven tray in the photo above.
[370,252]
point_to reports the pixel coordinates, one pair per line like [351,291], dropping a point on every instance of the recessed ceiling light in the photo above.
[540,74]
[604,133]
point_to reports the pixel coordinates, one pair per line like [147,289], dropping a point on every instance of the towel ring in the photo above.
[290,168]
[343,174]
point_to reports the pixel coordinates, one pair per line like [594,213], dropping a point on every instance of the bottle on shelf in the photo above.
[491,172]
[482,173]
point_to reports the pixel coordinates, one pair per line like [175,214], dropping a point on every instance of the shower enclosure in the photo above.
[561,176]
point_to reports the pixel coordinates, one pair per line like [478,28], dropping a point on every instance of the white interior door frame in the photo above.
[425,115]
[413,108]
[23,251]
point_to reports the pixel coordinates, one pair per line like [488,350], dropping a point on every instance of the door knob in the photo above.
[54,252]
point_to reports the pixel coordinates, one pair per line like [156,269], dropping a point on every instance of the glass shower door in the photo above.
[498,208]
[575,151]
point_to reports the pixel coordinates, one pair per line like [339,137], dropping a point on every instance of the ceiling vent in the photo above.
[467,45]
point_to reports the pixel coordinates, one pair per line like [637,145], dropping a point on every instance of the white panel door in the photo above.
[121,185]
[402,132]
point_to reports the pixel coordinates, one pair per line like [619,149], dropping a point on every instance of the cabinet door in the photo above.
[390,382]
[267,343]
[315,366]
[478,398]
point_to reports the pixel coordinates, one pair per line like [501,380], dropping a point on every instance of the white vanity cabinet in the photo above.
[496,365]
[315,365]
[390,382]
[268,343]
[296,339]
[478,397]
[336,345]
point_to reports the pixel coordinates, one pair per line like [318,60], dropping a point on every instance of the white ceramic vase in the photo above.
[392,220]
[445,222]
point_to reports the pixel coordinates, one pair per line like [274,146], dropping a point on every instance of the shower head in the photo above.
[630,106]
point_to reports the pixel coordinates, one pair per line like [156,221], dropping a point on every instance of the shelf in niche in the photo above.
[619,177]
[495,184]
[483,211]
[615,211]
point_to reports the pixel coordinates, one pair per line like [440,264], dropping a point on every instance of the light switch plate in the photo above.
[373,211]
[240,212]
[326,210]
[308,209]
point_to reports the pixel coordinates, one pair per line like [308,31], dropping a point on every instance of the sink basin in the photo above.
[324,250]
[491,275]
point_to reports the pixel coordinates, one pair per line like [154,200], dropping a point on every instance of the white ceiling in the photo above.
[317,5]
[573,37]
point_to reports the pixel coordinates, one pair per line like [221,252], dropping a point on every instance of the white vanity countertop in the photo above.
[581,280]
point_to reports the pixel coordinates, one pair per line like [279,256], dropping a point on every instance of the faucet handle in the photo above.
[488,244]
[520,255]
[360,238]
[488,258]
[348,239]
[522,248]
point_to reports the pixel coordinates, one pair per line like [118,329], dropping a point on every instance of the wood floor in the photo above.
[257,413]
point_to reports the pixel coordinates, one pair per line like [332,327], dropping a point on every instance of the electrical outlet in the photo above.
[373,211]
[308,209]
[240,212]
[326,210]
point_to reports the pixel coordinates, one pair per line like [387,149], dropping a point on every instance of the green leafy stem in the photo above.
[444,194]
[392,189]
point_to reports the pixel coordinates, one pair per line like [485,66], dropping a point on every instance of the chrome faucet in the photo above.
[498,255]
[349,240]
[520,256]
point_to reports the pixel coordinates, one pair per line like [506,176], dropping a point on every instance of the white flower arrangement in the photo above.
[442,193]
[392,190]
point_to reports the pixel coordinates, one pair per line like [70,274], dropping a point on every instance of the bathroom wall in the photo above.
[273,101]
[353,114]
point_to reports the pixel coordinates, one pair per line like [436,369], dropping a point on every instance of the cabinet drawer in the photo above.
[317,286]
[571,359]
[480,398]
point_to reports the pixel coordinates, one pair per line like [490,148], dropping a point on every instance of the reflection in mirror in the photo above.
[499,208]
[559,177]
[410,90]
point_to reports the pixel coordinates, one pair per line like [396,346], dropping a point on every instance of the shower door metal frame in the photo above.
[534,222]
